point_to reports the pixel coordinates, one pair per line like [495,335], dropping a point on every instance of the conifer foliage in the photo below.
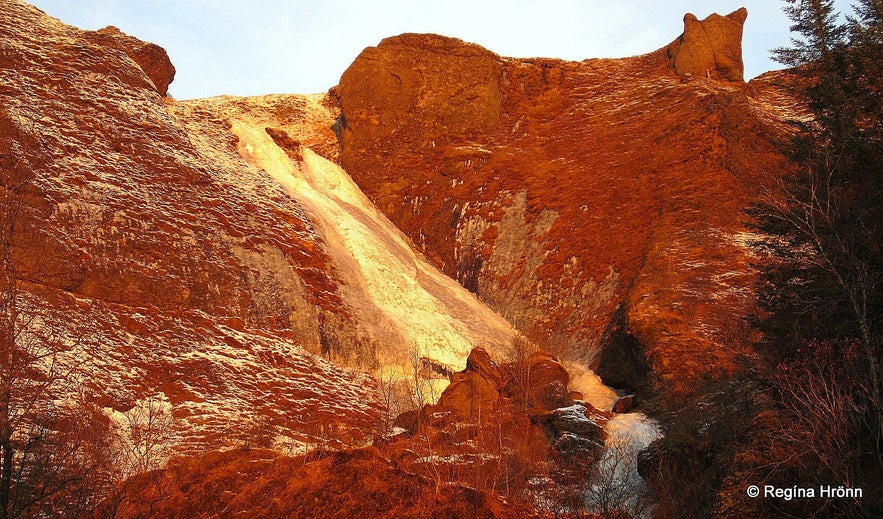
[823,232]
[820,287]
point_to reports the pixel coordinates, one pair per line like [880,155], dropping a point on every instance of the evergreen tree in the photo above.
[824,232]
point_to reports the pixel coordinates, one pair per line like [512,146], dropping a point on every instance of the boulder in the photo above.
[575,420]
[481,363]
[546,382]
[576,438]
[409,421]
[456,81]
[624,404]
[469,397]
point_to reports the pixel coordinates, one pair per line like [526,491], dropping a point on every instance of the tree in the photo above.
[824,228]
[815,22]
[48,453]
[390,401]
[148,434]
[819,411]
[811,431]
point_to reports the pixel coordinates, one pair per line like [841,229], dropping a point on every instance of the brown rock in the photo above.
[481,363]
[575,419]
[152,58]
[624,404]
[710,48]
[540,380]
[207,279]
[576,435]
[409,421]
[469,397]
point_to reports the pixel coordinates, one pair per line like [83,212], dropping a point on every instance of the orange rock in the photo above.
[481,363]
[196,286]
[710,48]
[469,397]
[547,382]
[561,192]
[152,58]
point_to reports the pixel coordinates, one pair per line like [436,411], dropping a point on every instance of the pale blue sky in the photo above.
[251,47]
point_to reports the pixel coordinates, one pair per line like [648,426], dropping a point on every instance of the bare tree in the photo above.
[148,435]
[519,365]
[43,449]
[422,389]
[390,401]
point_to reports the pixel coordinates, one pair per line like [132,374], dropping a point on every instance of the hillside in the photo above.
[417,276]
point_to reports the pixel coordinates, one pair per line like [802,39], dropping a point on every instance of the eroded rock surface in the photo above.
[153,59]
[191,239]
[584,201]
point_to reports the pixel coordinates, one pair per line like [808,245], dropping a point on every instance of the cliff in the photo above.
[597,205]
[291,271]
[212,253]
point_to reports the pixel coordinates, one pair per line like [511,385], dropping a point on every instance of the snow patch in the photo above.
[574,414]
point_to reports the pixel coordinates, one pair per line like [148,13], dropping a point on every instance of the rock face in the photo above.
[226,266]
[596,205]
[710,48]
[152,58]
[202,282]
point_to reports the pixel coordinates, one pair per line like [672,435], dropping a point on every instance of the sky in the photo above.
[255,47]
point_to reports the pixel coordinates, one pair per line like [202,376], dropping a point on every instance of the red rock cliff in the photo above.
[201,244]
[590,203]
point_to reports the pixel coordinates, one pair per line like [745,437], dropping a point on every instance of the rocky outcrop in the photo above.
[468,396]
[505,422]
[541,380]
[709,48]
[153,59]
[484,438]
[577,198]
[624,404]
